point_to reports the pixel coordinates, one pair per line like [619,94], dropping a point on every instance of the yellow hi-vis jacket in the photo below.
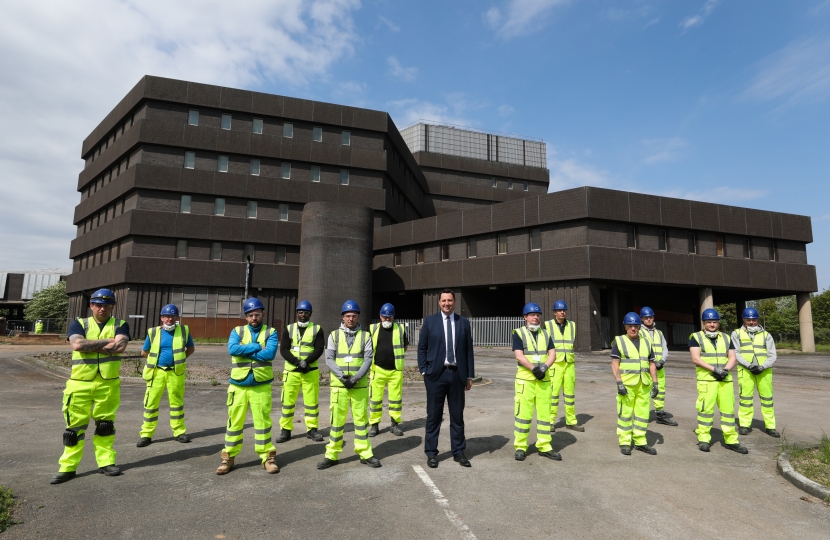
[303,346]
[86,365]
[397,342]
[180,335]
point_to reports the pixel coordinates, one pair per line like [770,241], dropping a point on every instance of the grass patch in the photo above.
[796,346]
[814,463]
[7,504]
[210,340]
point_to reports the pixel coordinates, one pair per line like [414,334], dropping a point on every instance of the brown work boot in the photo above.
[226,465]
[270,464]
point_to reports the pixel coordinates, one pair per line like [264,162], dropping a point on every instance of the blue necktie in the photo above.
[450,341]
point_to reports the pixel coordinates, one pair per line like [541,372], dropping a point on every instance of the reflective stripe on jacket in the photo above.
[634,363]
[563,342]
[86,365]
[656,342]
[180,335]
[397,342]
[753,346]
[535,350]
[241,366]
[715,355]
[349,359]
[302,346]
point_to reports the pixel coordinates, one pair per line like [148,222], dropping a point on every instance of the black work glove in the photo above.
[621,389]
[720,374]
[538,373]
[659,365]
[302,367]
[346,381]
[756,369]
[654,390]
[352,381]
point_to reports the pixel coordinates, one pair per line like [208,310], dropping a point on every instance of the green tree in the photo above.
[777,314]
[728,317]
[820,304]
[50,303]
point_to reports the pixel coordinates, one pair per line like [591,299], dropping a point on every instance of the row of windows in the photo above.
[534,244]
[745,248]
[495,181]
[254,168]
[110,212]
[256,128]
[203,302]
[103,255]
[219,207]
[113,136]
[248,253]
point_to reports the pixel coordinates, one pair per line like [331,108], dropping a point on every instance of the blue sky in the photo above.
[721,101]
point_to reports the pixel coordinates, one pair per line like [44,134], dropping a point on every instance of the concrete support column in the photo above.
[805,323]
[706,301]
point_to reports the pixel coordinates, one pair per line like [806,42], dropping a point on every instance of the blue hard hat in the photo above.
[646,312]
[532,307]
[632,318]
[304,305]
[750,313]
[251,304]
[387,310]
[103,296]
[710,314]
[560,304]
[350,305]
[170,309]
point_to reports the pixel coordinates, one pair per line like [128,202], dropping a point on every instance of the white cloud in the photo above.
[799,72]
[570,173]
[406,74]
[663,150]
[392,26]
[520,17]
[65,65]
[506,110]
[700,17]
[715,194]
[409,111]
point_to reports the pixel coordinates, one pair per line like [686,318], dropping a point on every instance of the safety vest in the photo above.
[180,335]
[714,355]
[302,346]
[241,366]
[349,359]
[563,342]
[535,350]
[38,327]
[86,365]
[397,342]
[656,342]
[753,345]
[634,363]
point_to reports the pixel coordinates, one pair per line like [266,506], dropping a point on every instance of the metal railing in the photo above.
[49,326]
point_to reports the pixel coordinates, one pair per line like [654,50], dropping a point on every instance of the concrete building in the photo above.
[184,181]
[17,287]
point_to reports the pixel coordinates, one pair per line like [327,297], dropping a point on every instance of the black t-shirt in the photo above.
[77,328]
[615,351]
[385,352]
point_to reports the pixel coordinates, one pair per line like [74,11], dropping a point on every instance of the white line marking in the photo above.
[444,504]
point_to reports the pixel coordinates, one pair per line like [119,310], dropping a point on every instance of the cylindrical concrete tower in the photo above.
[336,261]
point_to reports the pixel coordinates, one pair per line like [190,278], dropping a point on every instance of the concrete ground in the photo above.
[169,489]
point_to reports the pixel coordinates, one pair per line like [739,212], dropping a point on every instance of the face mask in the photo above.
[710,335]
[386,324]
[533,327]
[168,327]
[754,329]
[302,324]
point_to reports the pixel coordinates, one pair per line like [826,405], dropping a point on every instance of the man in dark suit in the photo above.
[448,373]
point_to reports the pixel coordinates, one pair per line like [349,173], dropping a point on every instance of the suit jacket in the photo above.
[431,349]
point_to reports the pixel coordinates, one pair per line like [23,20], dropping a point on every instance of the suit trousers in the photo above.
[449,387]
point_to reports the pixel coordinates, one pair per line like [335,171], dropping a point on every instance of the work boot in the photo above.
[270,464]
[743,430]
[772,433]
[183,438]
[373,462]
[326,463]
[396,429]
[665,420]
[314,435]
[110,470]
[737,448]
[374,430]
[551,454]
[703,446]
[144,441]
[575,427]
[647,449]
[62,477]
[660,413]
[226,465]
[520,455]
[625,449]
[285,436]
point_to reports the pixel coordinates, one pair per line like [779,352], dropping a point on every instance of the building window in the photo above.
[252,209]
[445,251]
[773,250]
[184,207]
[222,164]
[317,134]
[249,252]
[254,167]
[315,173]
[285,170]
[280,254]
[346,138]
[193,118]
[396,258]
[747,249]
[256,127]
[692,243]
[283,211]
[344,177]
[525,186]
[509,183]
[719,246]
[288,130]
[219,207]
[494,181]
[631,237]
[226,121]
[419,255]
[190,160]
[216,251]
[181,249]
[502,243]
[662,242]
[535,239]
[472,248]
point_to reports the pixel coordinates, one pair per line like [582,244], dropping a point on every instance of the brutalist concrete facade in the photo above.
[184,181]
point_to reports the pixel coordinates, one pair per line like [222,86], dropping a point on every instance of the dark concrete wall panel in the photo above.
[709,271]
[647,266]
[266,104]
[759,223]
[704,216]
[423,275]
[401,233]
[762,275]
[678,268]
[233,99]
[675,213]
[478,271]
[509,268]
[448,225]
[300,109]
[477,221]
[566,263]
[608,204]
[563,205]
[736,273]
[801,278]
[645,208]
[732,219]
[422,230]
[796,227]
[205,95]
[608,263]
[511,215]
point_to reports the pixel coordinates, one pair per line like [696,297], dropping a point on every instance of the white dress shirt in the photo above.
[454,335]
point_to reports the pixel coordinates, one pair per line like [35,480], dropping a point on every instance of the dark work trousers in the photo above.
[451,387]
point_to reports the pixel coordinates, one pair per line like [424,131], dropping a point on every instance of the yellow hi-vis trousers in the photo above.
[341,399]
[152,399]
[632,414]
[103,398]
[660,400]
[722,394]
[292,381]
[747,384]
[563,377]
[385,378]
[530,395]
[259,399]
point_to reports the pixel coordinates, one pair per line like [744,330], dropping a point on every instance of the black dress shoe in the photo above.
[144,441]
[462,460]
[432,462]
[62,477]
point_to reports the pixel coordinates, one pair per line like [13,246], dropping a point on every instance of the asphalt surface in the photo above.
[170,490]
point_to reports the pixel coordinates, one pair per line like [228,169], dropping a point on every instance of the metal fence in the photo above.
[50,326]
